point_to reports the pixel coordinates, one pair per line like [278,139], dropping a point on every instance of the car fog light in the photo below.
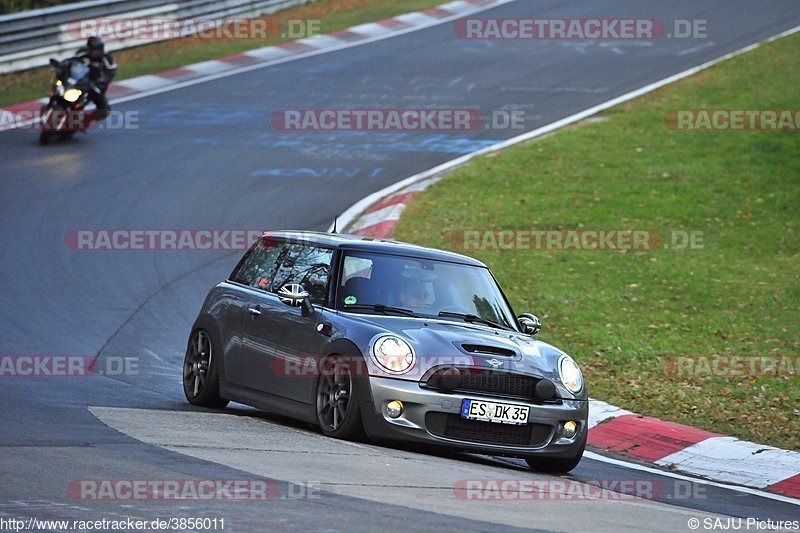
[570,428]
[394,408]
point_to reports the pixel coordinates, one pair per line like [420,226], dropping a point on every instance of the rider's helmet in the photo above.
[96,47]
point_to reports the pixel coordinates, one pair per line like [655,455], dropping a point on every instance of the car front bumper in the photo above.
[434,418]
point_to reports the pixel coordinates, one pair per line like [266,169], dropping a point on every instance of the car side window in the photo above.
[307,265]
[259,265]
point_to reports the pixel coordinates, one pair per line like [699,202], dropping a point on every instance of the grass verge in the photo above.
[627,316]
[333,15]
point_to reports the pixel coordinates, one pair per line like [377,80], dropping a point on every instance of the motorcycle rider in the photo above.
[102,71]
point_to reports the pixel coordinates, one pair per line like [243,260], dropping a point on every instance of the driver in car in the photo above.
[412,294]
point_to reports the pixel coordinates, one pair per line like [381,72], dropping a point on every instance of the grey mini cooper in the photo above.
[386,340]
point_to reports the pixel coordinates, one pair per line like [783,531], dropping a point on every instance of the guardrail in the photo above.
[28,39]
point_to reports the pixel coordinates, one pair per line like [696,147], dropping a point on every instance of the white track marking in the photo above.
[600,411]
[736,461]
[387,214]
[144,83]
[643,468]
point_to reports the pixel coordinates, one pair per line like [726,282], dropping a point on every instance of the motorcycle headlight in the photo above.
[570,374]
[393,354]
[59,88]
[72,94]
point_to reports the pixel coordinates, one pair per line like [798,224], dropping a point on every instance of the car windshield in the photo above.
[392,284]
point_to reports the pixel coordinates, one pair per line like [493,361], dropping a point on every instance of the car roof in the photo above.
[372,244]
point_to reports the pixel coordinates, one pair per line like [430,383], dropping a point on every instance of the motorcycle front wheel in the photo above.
[44,138]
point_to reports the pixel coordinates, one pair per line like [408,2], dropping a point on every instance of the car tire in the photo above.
[556,465]
[338,399]
[201,371]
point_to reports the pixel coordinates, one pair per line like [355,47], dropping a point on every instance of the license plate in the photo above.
[502,413]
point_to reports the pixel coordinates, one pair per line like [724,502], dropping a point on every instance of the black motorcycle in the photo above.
[65,113]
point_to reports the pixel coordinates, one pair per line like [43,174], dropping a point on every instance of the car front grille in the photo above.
[491,383]
[452,426]
[499,383]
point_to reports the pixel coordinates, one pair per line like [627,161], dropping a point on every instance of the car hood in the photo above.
[438,342]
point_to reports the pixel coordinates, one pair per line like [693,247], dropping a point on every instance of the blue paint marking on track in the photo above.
[326,172]
[430,144]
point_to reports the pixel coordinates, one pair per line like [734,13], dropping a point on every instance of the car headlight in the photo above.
[393,354]
[72,94]
[570,374]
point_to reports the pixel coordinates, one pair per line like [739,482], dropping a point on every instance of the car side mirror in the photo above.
[529,324]
[54,63]
[295,295]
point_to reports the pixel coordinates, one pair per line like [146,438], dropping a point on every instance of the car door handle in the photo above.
[254,310]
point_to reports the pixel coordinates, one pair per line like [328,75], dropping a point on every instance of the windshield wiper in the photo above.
[474,318]
[383,309]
